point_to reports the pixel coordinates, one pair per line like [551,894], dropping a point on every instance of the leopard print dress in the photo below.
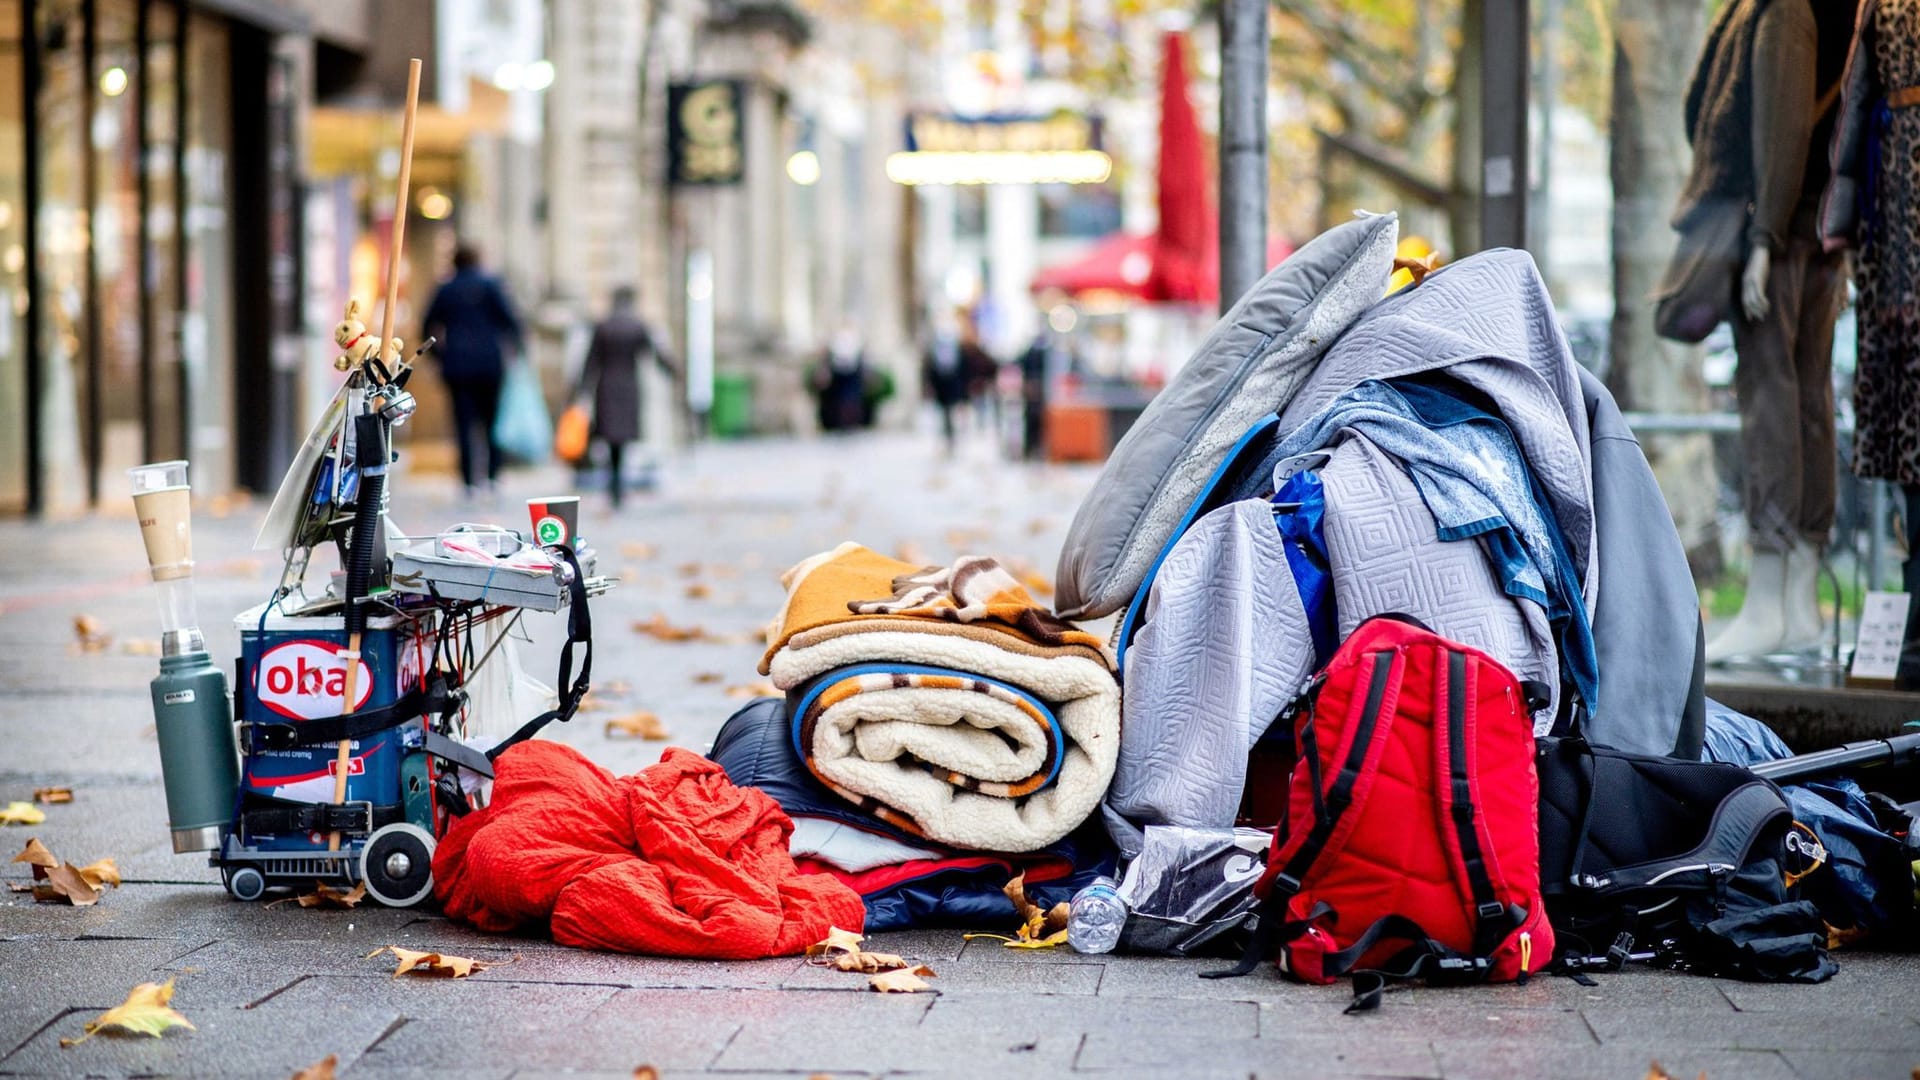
[1886,394]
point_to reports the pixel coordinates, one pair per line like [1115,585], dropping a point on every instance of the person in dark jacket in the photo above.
[952,367]
[475,326]
[612,377]
[840,381]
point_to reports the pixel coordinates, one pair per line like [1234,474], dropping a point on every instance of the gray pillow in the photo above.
[1250,365]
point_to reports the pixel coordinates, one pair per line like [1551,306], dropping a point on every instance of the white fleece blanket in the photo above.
[877,747]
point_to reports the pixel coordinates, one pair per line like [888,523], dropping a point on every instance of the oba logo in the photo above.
[303,680]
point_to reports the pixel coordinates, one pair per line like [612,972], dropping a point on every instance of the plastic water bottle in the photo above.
[1095,917]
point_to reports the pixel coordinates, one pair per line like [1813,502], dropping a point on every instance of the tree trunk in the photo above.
[1656,43]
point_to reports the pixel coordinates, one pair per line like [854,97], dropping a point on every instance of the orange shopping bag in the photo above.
[570,434]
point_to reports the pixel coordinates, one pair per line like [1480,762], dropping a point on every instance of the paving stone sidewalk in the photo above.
[273,989]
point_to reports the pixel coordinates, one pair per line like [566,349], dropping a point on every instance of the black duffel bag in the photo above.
[1683,860]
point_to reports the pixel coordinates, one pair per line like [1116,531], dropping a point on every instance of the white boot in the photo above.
[1805,629]
[1761,625]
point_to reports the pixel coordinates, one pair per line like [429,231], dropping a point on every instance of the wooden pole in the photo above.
[343,758]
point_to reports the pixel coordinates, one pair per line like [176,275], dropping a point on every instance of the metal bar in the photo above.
[1243,147]
[1503,131]
[36,324]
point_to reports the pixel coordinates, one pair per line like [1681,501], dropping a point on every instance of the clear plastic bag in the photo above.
[1190,891]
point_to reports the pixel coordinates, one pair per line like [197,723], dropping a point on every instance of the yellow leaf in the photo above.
[837,941]
[89,635]
[52,795]
[319,1070]
[36,854]
[431,963]
[1048,942]
[642,725]
[902,981]
[22,813]
[101,872]
[145,1012]
[65,882]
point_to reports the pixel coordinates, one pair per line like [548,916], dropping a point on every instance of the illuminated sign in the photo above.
[1059,149]
[706,142]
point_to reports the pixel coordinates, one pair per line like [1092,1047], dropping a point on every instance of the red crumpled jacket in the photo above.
[672,861]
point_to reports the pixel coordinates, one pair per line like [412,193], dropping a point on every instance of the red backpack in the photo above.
[1410,846]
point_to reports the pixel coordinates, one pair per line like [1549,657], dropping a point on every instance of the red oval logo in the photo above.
[305,680]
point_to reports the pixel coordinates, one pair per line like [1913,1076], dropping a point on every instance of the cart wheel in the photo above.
[244,883]
[396,863]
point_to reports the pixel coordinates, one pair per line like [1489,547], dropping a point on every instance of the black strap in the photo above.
[440,698]
[1287,882]
[1270,931]
[1423,957]
[1493,920]
[262,815]
[458,753]
[579,631]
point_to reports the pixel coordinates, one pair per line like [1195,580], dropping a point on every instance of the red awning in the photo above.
[1180,262]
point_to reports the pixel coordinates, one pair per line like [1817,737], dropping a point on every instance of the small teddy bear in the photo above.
[356,345]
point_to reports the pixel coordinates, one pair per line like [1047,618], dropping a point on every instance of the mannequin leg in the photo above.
[1823,285]
[1766,384]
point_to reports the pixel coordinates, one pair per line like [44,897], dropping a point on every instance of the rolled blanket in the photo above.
[973,718]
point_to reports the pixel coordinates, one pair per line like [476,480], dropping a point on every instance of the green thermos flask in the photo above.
[199,760]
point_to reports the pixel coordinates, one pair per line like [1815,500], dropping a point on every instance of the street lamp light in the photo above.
[803,168]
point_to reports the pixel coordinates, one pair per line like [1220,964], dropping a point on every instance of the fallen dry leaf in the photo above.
[660,629]
[645,1072]
[100,872]
[1655,1072]
[707,678]
[89,636]
[431,963]
[319,1070]
[615,688]
[145,1012]
[22,813]
[699,590]
[328,896]
[36,854]
[759,689]
[53,884]
[639,725]
[910,552]
[724,572]
[140,647]
[867,962]
[689,569]
[635,549]
[837,941]
[902,981]
[52,795]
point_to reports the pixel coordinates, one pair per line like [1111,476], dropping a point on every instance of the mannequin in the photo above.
[1874,204]
[1764,95]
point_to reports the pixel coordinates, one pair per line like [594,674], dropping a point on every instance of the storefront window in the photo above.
[206,332]
[116,236]
[61,228]
[166,434]
[13,265]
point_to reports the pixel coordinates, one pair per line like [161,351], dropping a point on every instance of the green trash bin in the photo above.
[732,414]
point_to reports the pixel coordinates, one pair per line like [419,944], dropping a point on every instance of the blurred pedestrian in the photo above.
[841,383]
[476,328]
[1048,357]
[950,371]
[612,377]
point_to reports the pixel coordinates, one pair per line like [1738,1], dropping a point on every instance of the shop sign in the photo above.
[1063,148]
[706,140]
